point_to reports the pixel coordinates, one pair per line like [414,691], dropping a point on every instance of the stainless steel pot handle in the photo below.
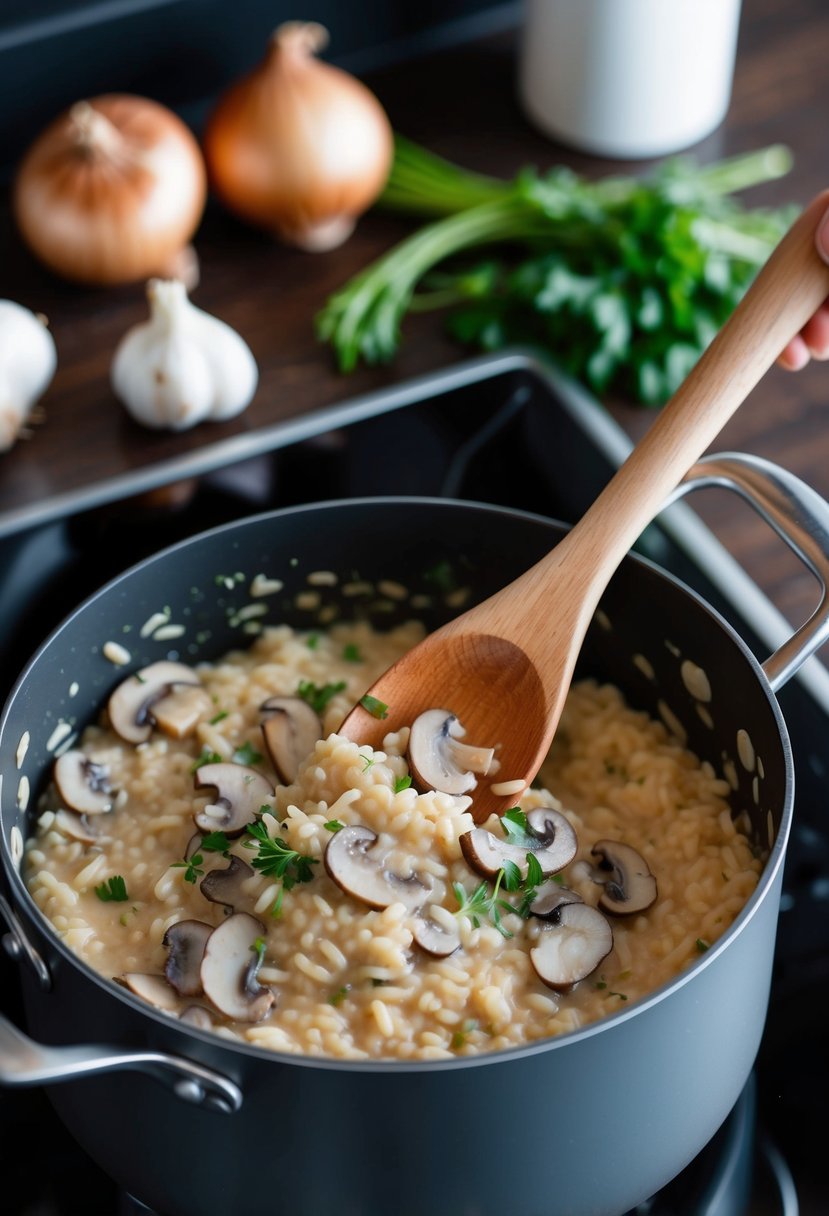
[799,515]
[24,1063]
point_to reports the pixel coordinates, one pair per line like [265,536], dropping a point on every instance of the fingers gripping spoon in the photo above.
[504,667]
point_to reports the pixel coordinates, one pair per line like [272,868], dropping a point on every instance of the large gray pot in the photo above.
[589,1123]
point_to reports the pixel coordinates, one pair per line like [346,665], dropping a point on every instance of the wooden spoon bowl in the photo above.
[504,667]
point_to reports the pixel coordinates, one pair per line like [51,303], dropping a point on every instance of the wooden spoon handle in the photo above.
[782,298]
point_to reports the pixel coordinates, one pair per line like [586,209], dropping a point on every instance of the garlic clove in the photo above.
[182,366]
[28,359]
[235,374]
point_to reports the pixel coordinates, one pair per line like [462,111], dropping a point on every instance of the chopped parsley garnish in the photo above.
[318,695]
[333,825]
[113,890]
[514,824]
[215,842]
[312,641]
[337,998]
[401,784]
[377,708]
[351,653]
[247,754]
[124,918]
[219,717]
[621,995]
[460,1036]
[534,879]
[276,859]
[207,757]
[192,867]
[481,904]
[512,876]
[600,984]
[703,945]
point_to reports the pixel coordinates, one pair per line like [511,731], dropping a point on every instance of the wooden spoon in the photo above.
[505,666]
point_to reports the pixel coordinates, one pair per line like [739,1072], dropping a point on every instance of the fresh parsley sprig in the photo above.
[191,866]
[624,280]
[113,890]
[276,859]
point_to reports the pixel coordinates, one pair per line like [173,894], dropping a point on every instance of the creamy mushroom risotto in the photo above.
[213,845]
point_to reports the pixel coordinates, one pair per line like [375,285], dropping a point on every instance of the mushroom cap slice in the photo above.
[180,710]
[629,885]
[153,989]
[198,1016]
[551,896]
[240,792]
[551,839]
[83,784]
[78,827]
[224,886]
[291,728]
[573,946]
[130,706]
[230,966]
[186,941]
[356,868]
[438,760]
[435,938]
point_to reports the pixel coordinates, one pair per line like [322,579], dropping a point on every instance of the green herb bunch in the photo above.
[624,281]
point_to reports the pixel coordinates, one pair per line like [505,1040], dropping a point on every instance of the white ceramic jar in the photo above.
[628,78]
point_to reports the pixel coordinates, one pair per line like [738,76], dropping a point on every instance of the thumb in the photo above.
[822,237]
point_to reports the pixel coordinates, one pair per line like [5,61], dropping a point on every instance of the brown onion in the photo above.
[112,191]
[299,147]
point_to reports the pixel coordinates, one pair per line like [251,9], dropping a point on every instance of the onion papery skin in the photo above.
[116,212]
[298,147]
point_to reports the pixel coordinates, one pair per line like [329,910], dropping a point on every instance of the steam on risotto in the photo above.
[319,904]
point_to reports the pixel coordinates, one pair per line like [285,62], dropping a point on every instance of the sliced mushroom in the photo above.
[437,758]
[549,897]
[153,989]
[241,792]
[198,1016]
[550,837]
[230,966]
[629,885]
[434,937]
[130,707]
[82,784]
[180,710]
[573,946]
[78,827]
[291,728]
[225,886]
[186,941]
[356,868]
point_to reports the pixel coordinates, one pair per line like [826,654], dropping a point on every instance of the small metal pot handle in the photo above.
[25,1063]
[797,514]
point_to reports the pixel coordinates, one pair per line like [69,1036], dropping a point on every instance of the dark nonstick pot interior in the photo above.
[447,556]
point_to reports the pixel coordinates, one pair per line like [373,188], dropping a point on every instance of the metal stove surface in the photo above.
[503,432]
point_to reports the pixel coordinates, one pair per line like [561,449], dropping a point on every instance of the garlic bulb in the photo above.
[27,364]
[182,366]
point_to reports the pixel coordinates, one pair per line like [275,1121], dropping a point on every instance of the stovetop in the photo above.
[504,431]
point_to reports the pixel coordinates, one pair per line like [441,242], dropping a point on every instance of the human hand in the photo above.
[813,340]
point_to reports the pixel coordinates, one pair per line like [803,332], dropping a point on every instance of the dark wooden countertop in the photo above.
[462,104]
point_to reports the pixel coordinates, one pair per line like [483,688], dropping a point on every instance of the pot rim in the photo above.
[24,902]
